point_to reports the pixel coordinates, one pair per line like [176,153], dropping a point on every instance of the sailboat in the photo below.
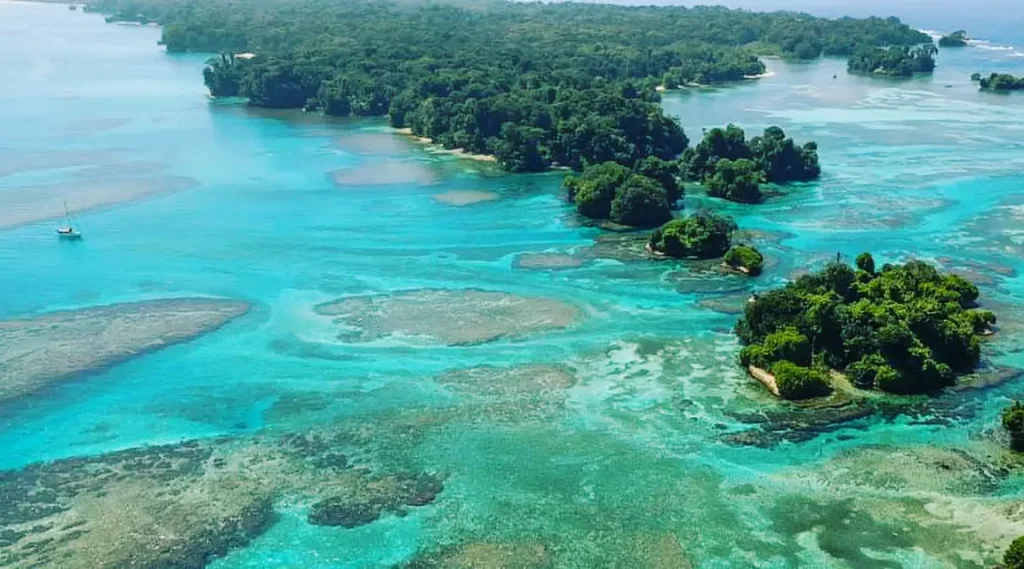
[68,231]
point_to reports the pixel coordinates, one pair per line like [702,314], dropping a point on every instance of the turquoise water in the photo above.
[286,211]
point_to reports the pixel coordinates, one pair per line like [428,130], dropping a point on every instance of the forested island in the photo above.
[999,82]
[705,235]
[894,61]
[728,165]
[734,169]
[955,39]
[533,84]
[901,329]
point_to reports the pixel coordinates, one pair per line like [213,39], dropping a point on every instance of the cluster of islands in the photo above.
[575,87]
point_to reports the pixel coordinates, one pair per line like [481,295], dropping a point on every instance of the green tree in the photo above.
[745,257]
[736,180]
[782,160]
[798,382]
[1014,556]
[703,235]
[785,344]
[665,172]
[866,263]
[1013,422]
[640,202]
[904,329]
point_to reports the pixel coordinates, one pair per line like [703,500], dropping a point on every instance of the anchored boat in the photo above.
[68,231]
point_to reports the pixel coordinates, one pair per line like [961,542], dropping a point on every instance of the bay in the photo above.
[625,452]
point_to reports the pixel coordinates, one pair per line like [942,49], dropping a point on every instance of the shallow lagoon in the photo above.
[636,441]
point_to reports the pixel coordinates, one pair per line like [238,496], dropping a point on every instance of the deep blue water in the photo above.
[195,197]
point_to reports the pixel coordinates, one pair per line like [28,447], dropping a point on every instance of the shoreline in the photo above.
[694,85]
[437,148]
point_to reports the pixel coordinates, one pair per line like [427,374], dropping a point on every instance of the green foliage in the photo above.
[785,344]
[718,144]
[871,370]
[866,263]
[746,257]
[707,65]
[1013,422]
[703,235]
[797,382]
[532,83]
[904,329]
[955,39]
[734,169]
[1001,82]
[666,173]
[1014,556]
[975,76]
[736,180]
[640,202]
[612,191]
[894,61]
[782,160]
[594,190]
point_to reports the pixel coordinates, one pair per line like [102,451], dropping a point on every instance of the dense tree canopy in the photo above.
[534,84]
[745,258]
[999,82]
[1014,556]
[703,235]
[894,61]
[638,197]
[1013,422]
[955,39]
[904,329]
[733,168]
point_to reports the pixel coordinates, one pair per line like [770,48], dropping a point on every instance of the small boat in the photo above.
[68,231]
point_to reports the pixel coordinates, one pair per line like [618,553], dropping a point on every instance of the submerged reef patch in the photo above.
[463,198]
[388,172]
[182,505]
[368,500]
[548,261]
[28,204]
[57,346]
[448,317]
[485,555]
